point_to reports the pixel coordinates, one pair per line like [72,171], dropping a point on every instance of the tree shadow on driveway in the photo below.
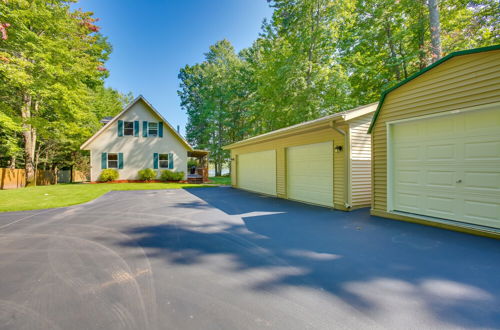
[376,265]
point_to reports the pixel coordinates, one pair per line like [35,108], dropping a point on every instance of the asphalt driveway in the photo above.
[219,258]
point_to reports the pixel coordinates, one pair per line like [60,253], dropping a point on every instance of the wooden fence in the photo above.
[12,178]
[16,178]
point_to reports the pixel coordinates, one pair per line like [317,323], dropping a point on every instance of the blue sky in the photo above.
[153,39]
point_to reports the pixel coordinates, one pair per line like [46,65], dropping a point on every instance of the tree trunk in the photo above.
[393,51]
[12,162]
[404,64]
[435,29]
[315,18]
[29,137]
[420,35]
[218,166]
[37,157]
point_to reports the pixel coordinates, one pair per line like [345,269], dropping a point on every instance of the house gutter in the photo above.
[347,147]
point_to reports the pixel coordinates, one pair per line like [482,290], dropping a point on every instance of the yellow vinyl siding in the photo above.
[461,82]
[340,130]
[360,148]
[319,134]
[232,165]
[280,171]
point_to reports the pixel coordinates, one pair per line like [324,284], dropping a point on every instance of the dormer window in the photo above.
[152,129]
[128,128]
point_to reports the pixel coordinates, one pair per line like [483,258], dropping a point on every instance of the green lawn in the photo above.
[226,180]
[43,197]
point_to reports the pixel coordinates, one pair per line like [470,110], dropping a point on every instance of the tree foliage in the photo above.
[51,82]
[317,57]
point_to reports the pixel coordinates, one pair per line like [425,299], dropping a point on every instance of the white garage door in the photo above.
[449,167]
[310,173]
[257,171]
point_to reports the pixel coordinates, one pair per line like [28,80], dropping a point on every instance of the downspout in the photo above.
[347,153]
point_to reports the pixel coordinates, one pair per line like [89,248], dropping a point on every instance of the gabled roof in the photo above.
[424,70]
[344,116]
[153,110]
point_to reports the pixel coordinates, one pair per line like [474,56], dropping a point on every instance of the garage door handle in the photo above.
[459,181]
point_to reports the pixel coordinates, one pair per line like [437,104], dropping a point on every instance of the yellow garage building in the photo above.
[324,161]
[436,145]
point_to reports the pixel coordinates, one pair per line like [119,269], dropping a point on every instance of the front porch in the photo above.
[198,172]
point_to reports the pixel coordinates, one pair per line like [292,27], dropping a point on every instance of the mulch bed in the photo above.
[137,181]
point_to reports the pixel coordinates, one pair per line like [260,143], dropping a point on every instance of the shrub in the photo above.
[192,162]
[108,174]
[147,174]
[168,175]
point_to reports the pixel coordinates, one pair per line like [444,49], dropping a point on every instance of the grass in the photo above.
[44,197]
[225,180]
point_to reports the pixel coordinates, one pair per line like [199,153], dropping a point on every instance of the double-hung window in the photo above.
[152,129]
[112,160]
[163,160]
[128,128]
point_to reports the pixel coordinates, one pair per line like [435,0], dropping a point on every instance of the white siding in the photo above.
[360,161]
[137,151]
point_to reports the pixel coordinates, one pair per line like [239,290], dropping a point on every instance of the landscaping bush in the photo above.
[147,174]
[109,174]
[168,175]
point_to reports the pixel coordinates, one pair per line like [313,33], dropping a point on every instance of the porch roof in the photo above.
[198,153]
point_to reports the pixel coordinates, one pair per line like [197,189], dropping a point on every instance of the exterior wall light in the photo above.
[338,148]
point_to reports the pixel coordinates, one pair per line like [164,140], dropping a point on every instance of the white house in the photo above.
[138,138]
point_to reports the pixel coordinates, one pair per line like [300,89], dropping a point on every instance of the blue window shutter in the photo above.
[136,128]
[155,160]
[171,161]
[120,127]
[160,129]
[104,160]
[120,160]
[145,129]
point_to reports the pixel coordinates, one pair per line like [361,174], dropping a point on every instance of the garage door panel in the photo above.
[408,176]
[483,122]
[482,212]
[257,171]
[440,152]
[310,173]
[454,177]
[483,150]
[409,201]
[487,181]
[408,153]
[440,179]
[441,206]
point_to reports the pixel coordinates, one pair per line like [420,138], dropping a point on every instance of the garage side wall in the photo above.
[360,162]
[316,135]
[461,82]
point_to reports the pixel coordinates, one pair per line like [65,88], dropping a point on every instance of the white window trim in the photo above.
[159,161]
[149,129]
